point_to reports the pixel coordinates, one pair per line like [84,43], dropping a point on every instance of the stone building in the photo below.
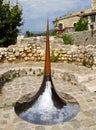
[68,22]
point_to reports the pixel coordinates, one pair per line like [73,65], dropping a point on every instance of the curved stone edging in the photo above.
[27,71]
[86,119]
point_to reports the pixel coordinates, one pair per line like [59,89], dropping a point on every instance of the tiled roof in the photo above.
[85,12]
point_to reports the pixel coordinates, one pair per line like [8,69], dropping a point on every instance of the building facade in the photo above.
[67,23]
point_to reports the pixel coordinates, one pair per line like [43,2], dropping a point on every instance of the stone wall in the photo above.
[34,50]
[84,37]
[94,4]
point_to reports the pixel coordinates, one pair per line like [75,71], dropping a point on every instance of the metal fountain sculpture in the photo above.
[46,107]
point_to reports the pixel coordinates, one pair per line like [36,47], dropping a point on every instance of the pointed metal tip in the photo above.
[47,18]
[47,22]
[16,2]
[47,30]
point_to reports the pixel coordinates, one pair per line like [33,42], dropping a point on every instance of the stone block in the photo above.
[90,85]
[17,54]
[29,55]
[26,58]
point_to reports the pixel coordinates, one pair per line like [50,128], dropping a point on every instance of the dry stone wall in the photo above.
[33,49]
[84,37]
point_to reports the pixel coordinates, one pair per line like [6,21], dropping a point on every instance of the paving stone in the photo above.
[94,113]
[90,85]
[6,116]
[21,126]
[12,91]
[26,128]
[89,100]
[16,119]
[75,124]
[94,128]
[67,127]
[88,114]
[83,128]
[3,122]
[55,128]
[9,127]
[88,122]
[39,128]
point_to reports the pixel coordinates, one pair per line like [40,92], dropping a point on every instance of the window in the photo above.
[74,24]
[60,26]
[92,17]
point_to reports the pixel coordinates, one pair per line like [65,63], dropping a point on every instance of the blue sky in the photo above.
[35,12]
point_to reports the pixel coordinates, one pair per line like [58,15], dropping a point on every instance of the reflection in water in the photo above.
[43,110]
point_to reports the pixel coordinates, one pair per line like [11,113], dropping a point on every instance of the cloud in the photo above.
[41,9]
[38,8]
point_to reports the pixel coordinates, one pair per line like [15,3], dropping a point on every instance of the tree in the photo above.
[10,21]
[29,34]
[81,25]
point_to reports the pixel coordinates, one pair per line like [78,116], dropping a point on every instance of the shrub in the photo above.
[81,25]
[54,58]
[67,39]
[53,33]
[88,61]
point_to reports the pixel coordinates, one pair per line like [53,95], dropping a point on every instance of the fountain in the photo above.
[46,107]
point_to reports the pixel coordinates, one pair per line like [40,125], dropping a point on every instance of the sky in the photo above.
[36,12]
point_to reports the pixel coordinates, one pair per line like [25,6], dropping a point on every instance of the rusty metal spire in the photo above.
[47,52]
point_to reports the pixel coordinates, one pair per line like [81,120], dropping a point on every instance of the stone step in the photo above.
[85,77]
[89,85]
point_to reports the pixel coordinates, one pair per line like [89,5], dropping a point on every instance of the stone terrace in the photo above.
[78,81]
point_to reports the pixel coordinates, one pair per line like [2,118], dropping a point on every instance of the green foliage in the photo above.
[67,39]
[13,104]
[54,58]
[40,73]
[30,69]
[81,25]
[8,105]
[29,34]
[10,21]
[88,61]
[53,33]
[34,72]
[8,79]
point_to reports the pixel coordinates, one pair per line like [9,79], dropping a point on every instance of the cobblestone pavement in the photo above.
[12,91]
